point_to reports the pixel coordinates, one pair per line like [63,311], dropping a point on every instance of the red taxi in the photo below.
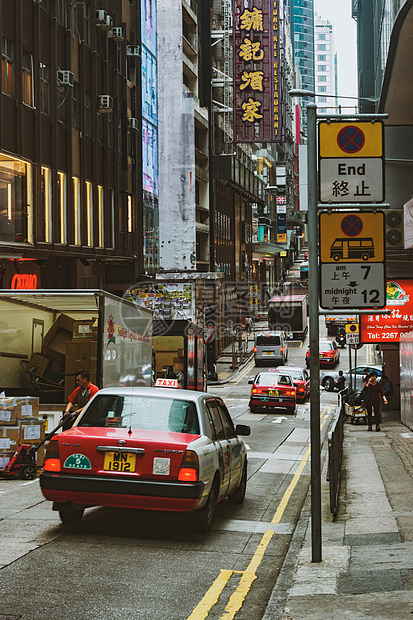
[301,380]
[272,390]
[150,449]
[329,353]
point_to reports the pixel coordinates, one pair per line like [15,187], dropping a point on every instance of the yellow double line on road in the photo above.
[236,599]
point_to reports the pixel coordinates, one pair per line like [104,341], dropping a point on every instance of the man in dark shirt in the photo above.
[80,396]
[373,404]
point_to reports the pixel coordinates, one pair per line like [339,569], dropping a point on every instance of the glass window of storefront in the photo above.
[16,213]
[46,190]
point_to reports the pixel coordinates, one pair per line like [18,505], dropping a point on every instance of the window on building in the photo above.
[88,114]
[16,196]
[321,57]
[322,78]
[86,22]
[110,130]
[322,89]
[101,217]
[76,211]
[99,127]
[46,191]
[322,47]
[7,66]
[60,12]
[323,110]
[89,214]
[130,224]
[61,194]
[75,106]
[27,77]
[322,99]
[111,219]
[44,89]
[321,37]
[119,132]
[62,94]
[322,67]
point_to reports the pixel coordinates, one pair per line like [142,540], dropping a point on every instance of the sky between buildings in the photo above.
[339,14]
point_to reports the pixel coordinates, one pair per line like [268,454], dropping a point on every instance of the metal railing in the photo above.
[335,453]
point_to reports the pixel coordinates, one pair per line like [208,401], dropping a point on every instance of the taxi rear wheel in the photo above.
[202,520]
[238,496]
[70,515]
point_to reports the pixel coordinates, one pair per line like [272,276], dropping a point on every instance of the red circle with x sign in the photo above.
[351,139]
[351,225]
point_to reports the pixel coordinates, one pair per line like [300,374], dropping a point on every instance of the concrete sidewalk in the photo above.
[367,553]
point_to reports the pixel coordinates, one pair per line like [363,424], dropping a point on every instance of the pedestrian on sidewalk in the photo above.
[248,323]
[340,382]
[376,393]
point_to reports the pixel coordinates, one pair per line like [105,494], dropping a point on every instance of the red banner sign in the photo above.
[381,328]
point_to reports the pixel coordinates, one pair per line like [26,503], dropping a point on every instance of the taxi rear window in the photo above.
[140,412]
[272,378]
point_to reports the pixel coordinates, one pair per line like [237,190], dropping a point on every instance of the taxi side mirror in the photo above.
[243,429]
[251,382]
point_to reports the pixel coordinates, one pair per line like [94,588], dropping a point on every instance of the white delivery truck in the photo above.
[47,336]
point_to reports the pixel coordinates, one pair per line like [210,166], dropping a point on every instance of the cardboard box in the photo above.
[31,430]
[9,439]
[59,335]
[13,409]
[83,330]
[79,356]
[38,364]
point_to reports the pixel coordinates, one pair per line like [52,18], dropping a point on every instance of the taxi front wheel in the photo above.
[237,497]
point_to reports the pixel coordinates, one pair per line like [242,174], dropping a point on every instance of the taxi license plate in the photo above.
[273,392]
[267,353]
[321,356]
[119,461]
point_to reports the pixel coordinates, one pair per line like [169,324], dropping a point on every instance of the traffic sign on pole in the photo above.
[351,162]
[352,254]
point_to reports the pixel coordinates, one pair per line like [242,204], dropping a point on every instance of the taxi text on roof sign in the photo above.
[348,139]
[169,383]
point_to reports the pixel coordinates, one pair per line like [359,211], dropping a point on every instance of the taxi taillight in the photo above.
[258,391]
[51,459]
[255,349]
[189,467]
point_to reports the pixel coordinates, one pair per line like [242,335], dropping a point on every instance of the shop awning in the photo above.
[268,249]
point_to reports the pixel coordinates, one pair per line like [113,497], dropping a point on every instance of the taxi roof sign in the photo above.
[168,383]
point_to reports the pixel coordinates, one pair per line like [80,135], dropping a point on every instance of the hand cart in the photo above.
[23,462]
[357,413]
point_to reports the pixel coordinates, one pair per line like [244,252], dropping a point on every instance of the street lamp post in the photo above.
[314,334]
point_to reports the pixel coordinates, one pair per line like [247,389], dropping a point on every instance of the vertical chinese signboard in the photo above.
[257,75]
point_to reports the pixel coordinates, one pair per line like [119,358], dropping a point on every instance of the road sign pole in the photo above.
[314,334]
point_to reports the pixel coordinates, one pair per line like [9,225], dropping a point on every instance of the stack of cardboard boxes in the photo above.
[19,423]
[68,346]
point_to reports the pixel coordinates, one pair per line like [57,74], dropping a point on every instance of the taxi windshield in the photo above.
[140,412]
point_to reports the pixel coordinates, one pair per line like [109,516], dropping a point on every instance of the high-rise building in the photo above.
[325,66]
[301,16]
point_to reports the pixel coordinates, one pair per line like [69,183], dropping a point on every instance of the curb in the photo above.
[233,374]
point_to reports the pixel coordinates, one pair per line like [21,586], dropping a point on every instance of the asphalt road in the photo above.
[151,566]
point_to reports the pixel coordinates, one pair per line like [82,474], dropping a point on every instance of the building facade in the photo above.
[325,67]
[70,146]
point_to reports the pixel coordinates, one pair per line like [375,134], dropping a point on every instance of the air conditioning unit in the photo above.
[133,123]
[105,103]
[133,50]
[116,33]
[103,20]
[395,229]
[65,78]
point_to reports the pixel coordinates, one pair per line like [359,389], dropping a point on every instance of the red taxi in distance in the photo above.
[301,380]
[151,449]
[272,390]
[329,353]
